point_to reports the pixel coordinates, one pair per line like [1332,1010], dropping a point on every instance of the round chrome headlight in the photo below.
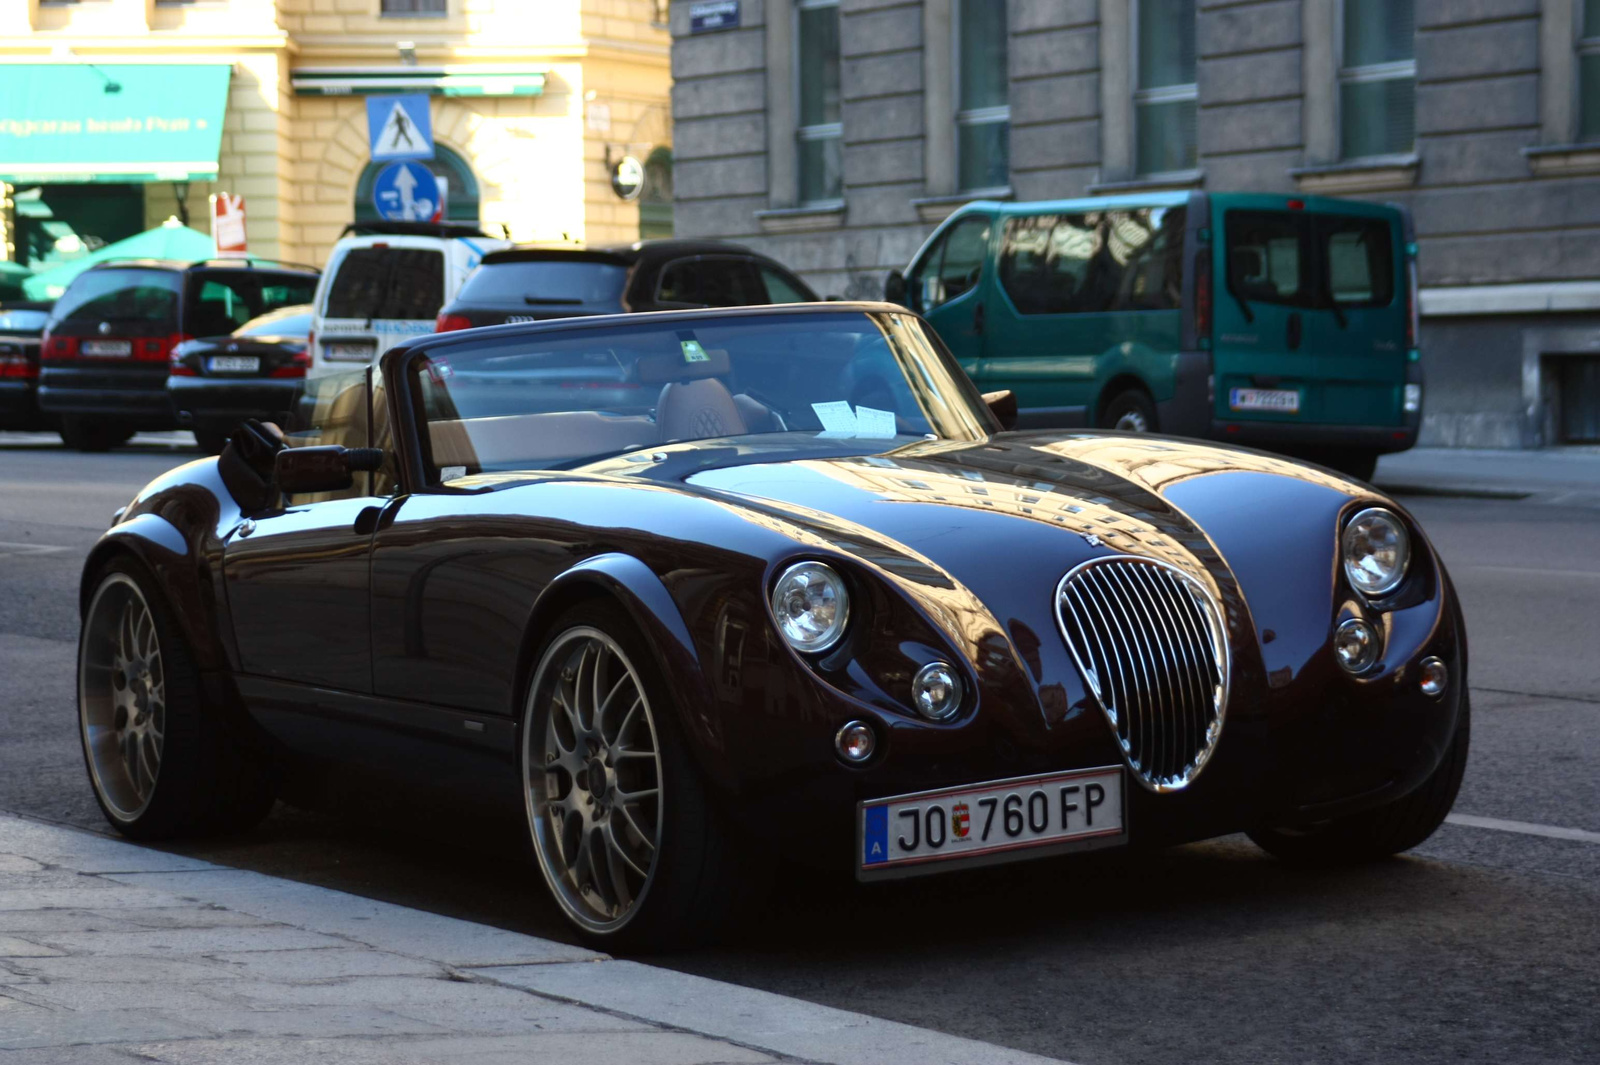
[811,605]
[1355,644]
[936,691]
[1376,551]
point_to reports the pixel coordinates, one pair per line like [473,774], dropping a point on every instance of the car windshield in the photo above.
[288,322]
[121,295]
[851,381]
[534,282]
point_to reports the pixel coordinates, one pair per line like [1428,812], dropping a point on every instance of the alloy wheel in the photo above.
[122,697]
[592,779]
[1133,421]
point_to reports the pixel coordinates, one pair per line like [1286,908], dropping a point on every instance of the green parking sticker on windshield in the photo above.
[693,352]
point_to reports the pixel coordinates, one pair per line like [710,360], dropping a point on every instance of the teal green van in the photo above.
[1287,323]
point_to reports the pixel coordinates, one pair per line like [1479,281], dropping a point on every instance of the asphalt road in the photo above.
[1481,946]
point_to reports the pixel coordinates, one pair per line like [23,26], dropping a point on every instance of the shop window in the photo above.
[983,111]
[413,8]
[1165,93]
[1589,73]
[819,131]
[1378,79]
[460,187]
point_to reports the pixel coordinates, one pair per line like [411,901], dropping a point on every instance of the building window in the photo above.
[1378,79]
[983,96]
[1165,94]
[1589,73]
[414,7]
[819,131]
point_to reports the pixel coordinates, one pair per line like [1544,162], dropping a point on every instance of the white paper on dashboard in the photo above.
[874,423]
[836,417]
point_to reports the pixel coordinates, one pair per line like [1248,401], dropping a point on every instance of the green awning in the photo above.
[81,122]
[468,80]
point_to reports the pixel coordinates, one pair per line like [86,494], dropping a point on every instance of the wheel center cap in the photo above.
[596,772]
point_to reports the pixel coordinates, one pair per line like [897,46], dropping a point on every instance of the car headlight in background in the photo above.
[811,605]
[1376,551]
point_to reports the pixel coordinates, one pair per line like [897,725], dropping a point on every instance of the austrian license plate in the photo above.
[108,347]
[235,364]
[348,352]
[986,823]
[1282,400]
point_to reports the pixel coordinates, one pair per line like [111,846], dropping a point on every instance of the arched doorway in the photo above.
[461,203]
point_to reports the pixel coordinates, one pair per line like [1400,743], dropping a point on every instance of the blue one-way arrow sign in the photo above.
[398,127]
[406,192]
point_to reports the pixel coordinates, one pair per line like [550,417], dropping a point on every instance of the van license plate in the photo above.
[114,348]
[1282,400]
[348,352]
[986,820]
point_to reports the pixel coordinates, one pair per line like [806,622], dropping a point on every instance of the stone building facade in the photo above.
[531,105]
[1479,115]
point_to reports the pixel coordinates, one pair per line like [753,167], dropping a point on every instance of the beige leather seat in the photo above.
[698,410]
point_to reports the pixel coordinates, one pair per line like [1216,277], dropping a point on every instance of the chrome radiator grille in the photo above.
[1150,642]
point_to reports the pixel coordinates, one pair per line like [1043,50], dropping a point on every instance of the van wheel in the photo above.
[82,435]
[1130,410]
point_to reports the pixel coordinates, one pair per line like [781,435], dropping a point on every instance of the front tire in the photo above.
[625,837]
[1385,831]
[159,761]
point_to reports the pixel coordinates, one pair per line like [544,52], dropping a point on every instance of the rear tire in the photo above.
[84,435]
[1131,410]
[161,763]
[599,754]
[1385,831]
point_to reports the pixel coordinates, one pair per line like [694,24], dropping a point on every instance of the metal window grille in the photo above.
[414,7]
[1165,93]
[818,129]
[1377,79]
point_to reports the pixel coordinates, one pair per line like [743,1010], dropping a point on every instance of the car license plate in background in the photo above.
[990,819]
[235,364]
[348,352]
[1282,400]
[107,347]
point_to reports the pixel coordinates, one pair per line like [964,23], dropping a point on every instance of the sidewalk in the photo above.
[1569,476]
[113,953]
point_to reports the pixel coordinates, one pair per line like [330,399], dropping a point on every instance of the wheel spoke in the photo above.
[646,838]
[617,853]
[605,704]
[635,796]
[627,722]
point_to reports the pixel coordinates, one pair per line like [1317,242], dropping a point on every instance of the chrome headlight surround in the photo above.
[811,606]
[1376,551]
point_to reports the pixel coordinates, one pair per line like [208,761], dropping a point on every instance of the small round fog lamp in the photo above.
[936,691]
[1356,645]
[1434,677]
[855,742]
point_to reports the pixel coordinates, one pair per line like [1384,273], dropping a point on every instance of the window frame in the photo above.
[1394,70]
[1143,97]
[1587,46]
[384,12]
[823,131]
[978,116]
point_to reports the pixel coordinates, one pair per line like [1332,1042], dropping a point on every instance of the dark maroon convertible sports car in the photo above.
[692,586]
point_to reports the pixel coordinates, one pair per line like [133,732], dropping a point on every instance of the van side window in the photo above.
[1123,260]
[1360,261]
[953,266]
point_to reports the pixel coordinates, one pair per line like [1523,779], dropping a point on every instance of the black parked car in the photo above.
[108,347]
[795,590]
[531,284]
[256,371]
[21,334]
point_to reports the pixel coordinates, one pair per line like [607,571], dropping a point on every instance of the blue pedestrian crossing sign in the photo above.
[398,127]
[407,192]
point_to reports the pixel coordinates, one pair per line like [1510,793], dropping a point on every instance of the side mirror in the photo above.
[1003,405]
[330,468]
[894,287]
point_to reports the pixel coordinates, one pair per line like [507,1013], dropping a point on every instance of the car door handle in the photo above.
[1294,331]
[977,319]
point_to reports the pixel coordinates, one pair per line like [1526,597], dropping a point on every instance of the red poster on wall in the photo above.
[227,225]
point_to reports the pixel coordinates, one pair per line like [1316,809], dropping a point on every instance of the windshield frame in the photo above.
[401,366]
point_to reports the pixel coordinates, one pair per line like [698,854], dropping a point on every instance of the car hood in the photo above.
[990,527]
